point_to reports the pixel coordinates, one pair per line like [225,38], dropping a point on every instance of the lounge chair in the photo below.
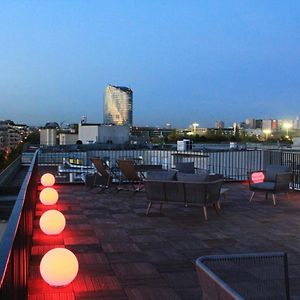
[103,176]
[130,174]
[277,179]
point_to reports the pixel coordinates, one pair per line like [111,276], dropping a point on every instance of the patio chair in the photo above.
[277,179]
[130,175]
[244,276]
[103,176]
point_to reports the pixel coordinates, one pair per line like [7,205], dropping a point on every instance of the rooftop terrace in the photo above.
[124,254]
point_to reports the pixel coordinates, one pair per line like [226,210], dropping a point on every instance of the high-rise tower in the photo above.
[117,105]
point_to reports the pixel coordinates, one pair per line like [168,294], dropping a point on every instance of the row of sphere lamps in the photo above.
[59,266]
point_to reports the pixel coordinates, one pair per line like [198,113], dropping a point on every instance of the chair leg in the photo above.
[160,207]
[219,204]
[148,209]
[216,208]
[274,200]
[253,193]
[205,213]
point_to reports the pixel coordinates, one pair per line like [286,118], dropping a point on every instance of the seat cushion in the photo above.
[263,186]
[162,175]
[200,177]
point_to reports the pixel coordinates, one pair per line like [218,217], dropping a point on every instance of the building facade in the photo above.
[251,123]
[11,134]
[104,134]
[48,137]
[117,105]
[68,138]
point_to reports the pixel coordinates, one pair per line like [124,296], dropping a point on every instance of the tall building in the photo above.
[251,123]
[258,124]
[219,124]
[117,105]
[266,124]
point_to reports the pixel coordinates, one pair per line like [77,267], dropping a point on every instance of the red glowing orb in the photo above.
[258,177]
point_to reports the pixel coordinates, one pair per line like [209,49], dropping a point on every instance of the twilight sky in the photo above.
[186,61]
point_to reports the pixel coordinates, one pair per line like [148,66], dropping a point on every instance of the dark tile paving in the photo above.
[124,254]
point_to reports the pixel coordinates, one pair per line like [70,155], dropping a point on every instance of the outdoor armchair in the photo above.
[277,179]
[244,276]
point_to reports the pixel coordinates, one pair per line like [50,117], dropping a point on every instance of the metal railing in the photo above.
[15,245]
[234,165]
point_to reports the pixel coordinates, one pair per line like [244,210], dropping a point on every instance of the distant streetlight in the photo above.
[267,132]
[287,126]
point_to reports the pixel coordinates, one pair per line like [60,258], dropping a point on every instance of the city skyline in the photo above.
[220,61]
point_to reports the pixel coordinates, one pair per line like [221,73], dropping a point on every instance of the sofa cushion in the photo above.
[162,175]
[185,167]
[272,170]
[192,177]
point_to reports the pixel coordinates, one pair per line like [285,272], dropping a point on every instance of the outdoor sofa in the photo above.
[167,187]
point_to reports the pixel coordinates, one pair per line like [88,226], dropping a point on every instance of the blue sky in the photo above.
[186,61]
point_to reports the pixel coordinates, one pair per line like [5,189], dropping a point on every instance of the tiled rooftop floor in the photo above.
[124,254]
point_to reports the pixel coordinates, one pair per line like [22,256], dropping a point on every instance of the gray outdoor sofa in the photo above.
[166,187]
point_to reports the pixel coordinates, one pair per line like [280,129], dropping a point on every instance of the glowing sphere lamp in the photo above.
[59,267]
[257,177]
[47,179]
[48,196]
[52,222]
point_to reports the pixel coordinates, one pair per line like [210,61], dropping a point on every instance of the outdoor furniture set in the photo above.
[236,276]
[185,184]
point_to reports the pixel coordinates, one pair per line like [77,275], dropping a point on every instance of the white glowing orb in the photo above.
[48,196]
[59,267]
[52,222]
[47,179]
